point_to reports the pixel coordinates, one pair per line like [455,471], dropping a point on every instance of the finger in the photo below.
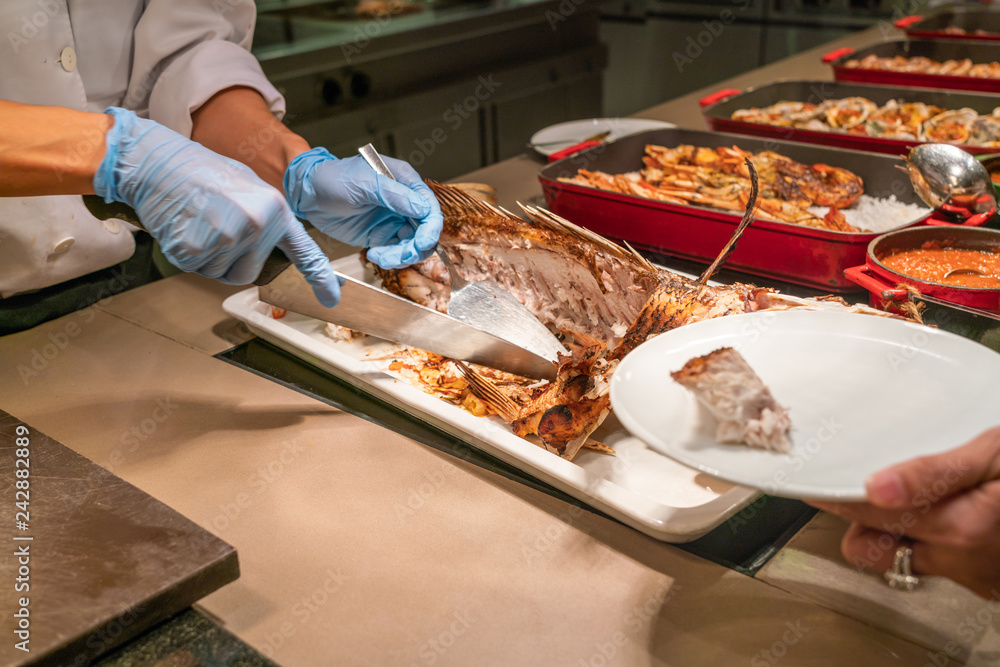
[397,256]
[303,251]
[868,549]
[403,199]
[871,550]
[863,513]
[429,230]
[965,521]
[403,172]
[942,475]
[896,522]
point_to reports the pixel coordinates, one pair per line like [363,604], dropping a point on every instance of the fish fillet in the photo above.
[725,383]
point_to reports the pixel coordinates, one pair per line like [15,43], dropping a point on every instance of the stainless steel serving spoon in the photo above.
[949,179]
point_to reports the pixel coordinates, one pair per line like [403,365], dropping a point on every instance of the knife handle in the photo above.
[275,263]
[103,210]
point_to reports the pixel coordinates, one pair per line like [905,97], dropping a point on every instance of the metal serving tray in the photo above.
[718,109]
[933,24]
[784,251]
[978,52]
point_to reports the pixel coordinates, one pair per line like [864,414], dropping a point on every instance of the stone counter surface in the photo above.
[359,546]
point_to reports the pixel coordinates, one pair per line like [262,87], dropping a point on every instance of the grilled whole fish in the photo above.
[567,276]
[602,299]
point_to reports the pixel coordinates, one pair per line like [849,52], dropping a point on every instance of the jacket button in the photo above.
[67,58]
[63,246]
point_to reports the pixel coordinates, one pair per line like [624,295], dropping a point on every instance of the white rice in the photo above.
[878,214]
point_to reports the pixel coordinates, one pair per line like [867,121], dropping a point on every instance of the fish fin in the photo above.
[488,392]
[598,447]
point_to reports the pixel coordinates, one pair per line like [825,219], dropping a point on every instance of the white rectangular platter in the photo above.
[638,486]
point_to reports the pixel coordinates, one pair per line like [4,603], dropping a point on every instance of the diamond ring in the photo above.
[901,575]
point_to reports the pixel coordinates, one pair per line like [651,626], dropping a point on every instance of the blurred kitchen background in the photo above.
[453,85]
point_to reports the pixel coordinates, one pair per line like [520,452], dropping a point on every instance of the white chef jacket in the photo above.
[161,58]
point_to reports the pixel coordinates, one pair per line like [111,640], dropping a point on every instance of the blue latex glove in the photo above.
[351,202]
[211,215]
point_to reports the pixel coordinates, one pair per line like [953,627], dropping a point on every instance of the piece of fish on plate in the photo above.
[725,383]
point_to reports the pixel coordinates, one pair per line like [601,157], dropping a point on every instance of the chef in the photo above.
[160,105]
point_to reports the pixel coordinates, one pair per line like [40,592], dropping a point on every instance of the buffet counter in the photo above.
[360,544]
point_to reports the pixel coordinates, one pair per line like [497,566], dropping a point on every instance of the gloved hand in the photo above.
[351,202]
[211,215]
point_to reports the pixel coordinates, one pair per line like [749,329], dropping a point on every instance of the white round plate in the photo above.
[557,137]
[863,392]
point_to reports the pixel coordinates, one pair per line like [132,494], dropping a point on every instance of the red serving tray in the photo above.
[782,251]
[719,107]
[977,52]
[932,24]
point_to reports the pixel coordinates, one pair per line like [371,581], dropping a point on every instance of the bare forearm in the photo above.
[49,150]
[237,123]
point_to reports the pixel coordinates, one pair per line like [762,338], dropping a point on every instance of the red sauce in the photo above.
[930,263]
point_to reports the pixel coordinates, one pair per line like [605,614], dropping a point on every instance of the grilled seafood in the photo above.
[718,177]
[955,30]
[910,121]
[782,113]
[895,120]
[604,300]
[849,112]
[953,126]
[922,65]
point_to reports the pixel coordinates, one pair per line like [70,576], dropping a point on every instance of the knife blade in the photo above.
[368,309]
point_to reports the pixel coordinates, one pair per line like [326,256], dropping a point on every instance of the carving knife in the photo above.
[366,308]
